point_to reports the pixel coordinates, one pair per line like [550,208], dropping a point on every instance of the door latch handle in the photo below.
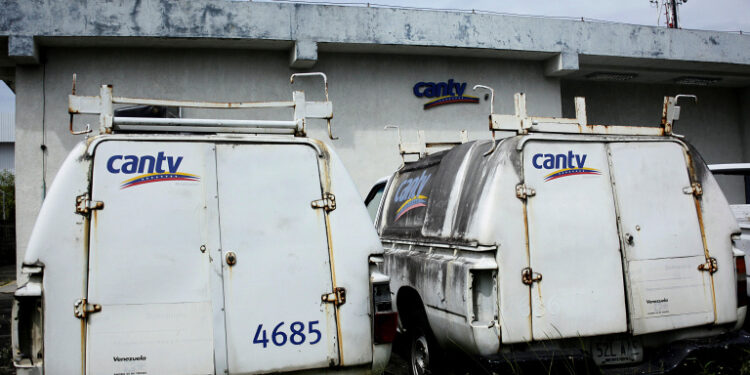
[528,276]
[629,239]
[231,258]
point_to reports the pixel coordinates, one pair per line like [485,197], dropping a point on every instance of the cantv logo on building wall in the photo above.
[443,93]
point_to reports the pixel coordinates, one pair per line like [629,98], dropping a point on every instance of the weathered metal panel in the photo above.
[499,220]
[146,266]
[719,225]
[60,237]
[573,242]
[282,261]
[442,276]
[7,127]
[431,199]
[661,238]
[354,239]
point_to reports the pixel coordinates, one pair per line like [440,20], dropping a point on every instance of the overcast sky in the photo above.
[721,15]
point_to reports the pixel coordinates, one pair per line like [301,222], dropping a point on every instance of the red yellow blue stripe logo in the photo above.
[571,172]
[414,202]
[158,177]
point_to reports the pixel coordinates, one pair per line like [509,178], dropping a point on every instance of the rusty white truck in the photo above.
[202,246]
[606,246]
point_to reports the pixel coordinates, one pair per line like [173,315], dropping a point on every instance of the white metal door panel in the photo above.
[573,242]
[275,319]
[160,339]
[662,238]
[146,267]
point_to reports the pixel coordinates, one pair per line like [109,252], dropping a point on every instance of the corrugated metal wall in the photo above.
[7,159]
[7,140]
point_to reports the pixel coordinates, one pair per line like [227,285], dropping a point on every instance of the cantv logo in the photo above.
[150,168]
[565,165]
[443,93]
[410,192]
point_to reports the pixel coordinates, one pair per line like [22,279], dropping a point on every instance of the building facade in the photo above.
[385,67]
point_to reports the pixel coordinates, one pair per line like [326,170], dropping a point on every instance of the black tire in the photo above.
[425,355]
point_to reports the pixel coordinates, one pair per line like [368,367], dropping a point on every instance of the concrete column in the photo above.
[29,155]
[23,49]
[562,64]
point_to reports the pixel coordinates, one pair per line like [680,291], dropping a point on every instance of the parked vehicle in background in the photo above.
[565,242]
[197,246]
[742,215]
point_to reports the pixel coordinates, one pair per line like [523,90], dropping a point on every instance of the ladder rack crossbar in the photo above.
[196,104]
[206,122]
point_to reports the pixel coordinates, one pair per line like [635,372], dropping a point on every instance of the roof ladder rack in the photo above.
[421,147]
[103,105]
[521,123]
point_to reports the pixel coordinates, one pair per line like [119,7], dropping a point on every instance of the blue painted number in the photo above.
[264,340]
[297,336]
[315,331]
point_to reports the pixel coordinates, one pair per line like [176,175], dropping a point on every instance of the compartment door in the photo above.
[276,260]
[662,238]
[573,242]
[146,266]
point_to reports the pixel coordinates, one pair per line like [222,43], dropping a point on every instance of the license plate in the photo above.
[612,352]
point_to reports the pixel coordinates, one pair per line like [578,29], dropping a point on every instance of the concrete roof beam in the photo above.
[304,54]
[562,64]
[23,49]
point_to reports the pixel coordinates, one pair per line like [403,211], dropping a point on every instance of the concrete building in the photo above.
[375,59]
[7,140]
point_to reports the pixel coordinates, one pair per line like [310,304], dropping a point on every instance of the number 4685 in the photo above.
[296,336]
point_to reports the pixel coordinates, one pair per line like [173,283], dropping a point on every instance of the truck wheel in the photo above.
[423,352]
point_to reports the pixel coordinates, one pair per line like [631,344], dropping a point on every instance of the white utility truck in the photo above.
[607,246]
[202,246]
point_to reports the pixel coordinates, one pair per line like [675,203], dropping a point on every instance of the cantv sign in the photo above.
[443,93]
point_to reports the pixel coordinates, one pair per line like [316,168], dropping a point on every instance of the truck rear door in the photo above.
[276,260]
[609,221]
[575,267]
[662,239]
[148,268]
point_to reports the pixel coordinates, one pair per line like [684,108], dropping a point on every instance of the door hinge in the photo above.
[84,205]
[82,309]
[328,202]
[523,192]
[338,297]
[711,266]
[528,276]
[694,189]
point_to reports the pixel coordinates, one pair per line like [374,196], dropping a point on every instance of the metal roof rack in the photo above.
[103,105]
[521,123]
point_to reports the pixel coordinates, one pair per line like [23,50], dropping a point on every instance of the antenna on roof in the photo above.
[670,11]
